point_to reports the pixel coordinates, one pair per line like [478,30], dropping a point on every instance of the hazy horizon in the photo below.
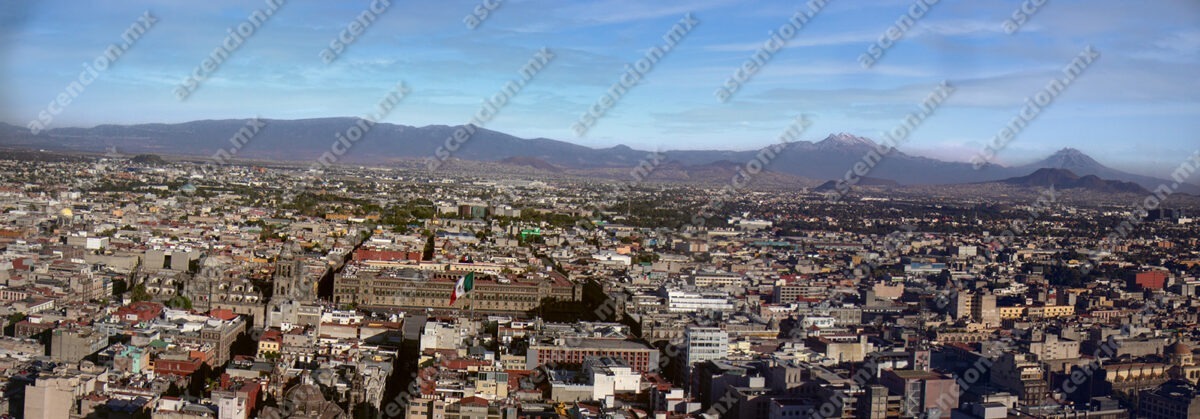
[818,137]
[1133,108]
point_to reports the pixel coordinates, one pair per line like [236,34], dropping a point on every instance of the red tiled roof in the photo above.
[474,401]
[515,376]
[462,364]
[223,314]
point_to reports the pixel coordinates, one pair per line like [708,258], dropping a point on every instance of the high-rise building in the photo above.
[877,402]
[47,397]
[979,307]
[1020,374]
[924,392]
[705,343]
[1173,399]
[73,344]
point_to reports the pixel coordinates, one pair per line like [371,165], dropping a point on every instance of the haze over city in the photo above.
[1134,108]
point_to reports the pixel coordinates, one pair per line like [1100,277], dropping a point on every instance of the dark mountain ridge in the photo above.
[307,139]
[1066,179]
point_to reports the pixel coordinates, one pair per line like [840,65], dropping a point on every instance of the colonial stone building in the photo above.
[411,288]
[221,284]
[294,286]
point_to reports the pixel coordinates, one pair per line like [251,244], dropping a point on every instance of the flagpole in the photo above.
[471,296]
[466,284]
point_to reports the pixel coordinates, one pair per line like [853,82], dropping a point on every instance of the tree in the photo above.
[11,328]
[645,257]
[179,302]
[140,293]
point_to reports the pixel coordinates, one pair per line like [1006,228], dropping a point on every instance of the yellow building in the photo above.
[270,343]
[1050,311]
[1007,313]
[1036,312]
[1182,361]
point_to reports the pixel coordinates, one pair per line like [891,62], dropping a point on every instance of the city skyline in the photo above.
[668,209]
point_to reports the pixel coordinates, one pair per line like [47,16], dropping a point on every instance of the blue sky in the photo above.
[1135,108]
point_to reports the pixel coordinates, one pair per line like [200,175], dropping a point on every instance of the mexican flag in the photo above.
[463,287]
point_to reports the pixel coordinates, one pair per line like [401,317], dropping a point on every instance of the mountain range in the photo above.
[306,139]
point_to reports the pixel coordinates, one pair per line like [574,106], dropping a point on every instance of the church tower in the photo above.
[289,274]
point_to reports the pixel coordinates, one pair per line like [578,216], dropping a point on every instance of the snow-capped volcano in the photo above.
[844,141]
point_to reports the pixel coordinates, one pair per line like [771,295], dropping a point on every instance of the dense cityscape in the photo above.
[140,287]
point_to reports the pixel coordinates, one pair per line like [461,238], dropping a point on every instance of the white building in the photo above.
[342,317]
[716,279]
[705,344]
[443,336]
[821,322]
[229,405]
[679,301]
[96,243]
[751,224]
[609,256]
[609,376]
[966,251]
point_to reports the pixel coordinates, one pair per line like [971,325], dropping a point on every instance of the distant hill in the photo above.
[1066,179]
[866,181]
[533,162]
[1083,165]
[147,159]
[716,173]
